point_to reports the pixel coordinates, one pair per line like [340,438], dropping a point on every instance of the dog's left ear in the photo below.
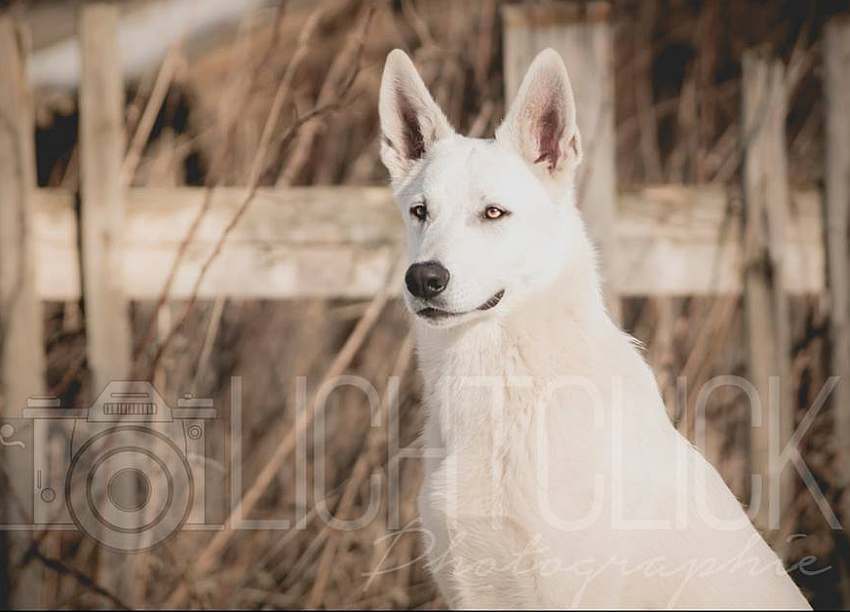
[411,122]
[541,123]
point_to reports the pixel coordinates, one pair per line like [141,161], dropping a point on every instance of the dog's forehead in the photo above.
[471,168]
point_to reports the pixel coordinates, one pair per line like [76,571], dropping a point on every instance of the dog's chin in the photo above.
[439,317]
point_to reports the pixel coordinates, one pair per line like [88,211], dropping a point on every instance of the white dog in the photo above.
[554,477]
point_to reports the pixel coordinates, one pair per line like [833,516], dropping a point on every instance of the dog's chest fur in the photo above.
[495,412]
[479,396]
[500,403]
[519,454]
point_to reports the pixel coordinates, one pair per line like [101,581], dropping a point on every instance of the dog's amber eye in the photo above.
[420,211]
[491,213]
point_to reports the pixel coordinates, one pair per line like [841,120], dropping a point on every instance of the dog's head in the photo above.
[485,219]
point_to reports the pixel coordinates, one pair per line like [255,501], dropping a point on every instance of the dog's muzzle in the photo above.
[437,313]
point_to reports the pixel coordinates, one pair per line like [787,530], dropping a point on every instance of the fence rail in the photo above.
[342,241]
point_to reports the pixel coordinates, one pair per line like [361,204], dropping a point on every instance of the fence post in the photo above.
[837,85]
[101,155]
[766,202]
[21,324]
[581,34]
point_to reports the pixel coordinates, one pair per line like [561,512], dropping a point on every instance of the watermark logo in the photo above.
[132,470]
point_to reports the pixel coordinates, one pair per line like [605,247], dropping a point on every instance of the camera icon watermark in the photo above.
[131,472]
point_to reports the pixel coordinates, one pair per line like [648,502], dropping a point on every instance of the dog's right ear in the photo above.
[411,122]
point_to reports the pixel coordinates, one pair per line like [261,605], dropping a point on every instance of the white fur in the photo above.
[559,480]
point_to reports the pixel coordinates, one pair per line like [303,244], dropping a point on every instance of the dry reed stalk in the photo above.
[154,103]
[210,555]
[706,65]
[650,155]
[677,167]
[713,332]
[209,342]
[341,66]
[236,82]
[358,475]
[259,159]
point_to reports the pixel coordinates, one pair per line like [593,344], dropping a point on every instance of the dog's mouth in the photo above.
[436,313]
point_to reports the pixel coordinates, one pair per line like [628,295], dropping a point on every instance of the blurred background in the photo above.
[208,212]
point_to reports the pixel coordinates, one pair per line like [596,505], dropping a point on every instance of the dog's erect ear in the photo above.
[411,122]
[541,122]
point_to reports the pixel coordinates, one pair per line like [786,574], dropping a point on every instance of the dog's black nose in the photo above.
[427,279]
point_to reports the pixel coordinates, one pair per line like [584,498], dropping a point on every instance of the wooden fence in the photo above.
[342,241]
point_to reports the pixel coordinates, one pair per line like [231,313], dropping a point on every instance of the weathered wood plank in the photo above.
[103,228]
[102,218]
[583,38]
[338,242]
[21,333]
[685,241]
[766,203]
[56,254]
[837,89]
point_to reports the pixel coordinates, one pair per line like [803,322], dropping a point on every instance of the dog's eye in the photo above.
[491,213]
[420,211]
